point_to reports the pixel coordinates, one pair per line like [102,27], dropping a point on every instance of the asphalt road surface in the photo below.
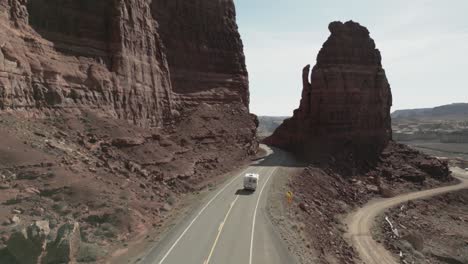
[361,221]
[230,227]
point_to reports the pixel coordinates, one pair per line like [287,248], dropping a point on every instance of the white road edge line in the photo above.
[220,229]
[255,216]
[198,215]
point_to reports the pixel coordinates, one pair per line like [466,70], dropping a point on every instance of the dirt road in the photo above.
[360,222]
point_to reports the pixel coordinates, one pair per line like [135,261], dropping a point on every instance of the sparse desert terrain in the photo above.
[127,136]
[433,230]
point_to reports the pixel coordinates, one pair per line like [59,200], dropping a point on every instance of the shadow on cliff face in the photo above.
[74,26]
[281,158]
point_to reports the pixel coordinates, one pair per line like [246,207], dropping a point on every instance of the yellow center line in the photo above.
[220,229]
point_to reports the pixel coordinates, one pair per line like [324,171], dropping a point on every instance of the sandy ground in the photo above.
[449,150]
[361,221]
[282,215]
[433,230]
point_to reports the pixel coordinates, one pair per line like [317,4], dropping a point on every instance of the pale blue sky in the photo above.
[424,45]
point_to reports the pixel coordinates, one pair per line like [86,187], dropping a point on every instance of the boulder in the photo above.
[15,220]
[27,245]
[386,192]
[89,253]
[434,167]
[416,240]
[65,248]
[372,188]
[165,207]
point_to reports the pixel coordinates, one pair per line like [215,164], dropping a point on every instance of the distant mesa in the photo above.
[455,111]
[442,124]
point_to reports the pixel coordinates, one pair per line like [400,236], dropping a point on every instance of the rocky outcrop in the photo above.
[142,61]
[346,103]
[28,244]
[66,245]
[399,161]
[344,121]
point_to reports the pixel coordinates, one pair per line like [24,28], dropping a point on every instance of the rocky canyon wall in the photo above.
[137,60]
[345,101]
[204,49]
[81,54]
[134,104]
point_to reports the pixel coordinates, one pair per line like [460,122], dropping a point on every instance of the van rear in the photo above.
[250,181]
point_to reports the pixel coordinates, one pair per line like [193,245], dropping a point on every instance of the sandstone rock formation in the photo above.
[343,128]
[126,100]
[204,50]
[105,55]
[141,61]
[346,104]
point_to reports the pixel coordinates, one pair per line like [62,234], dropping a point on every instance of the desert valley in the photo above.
[126,131]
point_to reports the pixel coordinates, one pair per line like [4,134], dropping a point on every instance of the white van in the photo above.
[250,181]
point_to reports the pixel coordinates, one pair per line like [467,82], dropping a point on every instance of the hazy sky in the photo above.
[424,45]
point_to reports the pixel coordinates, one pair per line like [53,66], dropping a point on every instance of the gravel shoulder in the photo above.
[282,215]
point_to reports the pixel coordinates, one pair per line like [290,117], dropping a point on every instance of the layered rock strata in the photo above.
[74,54]
[141,61]
[139,103]
[204,50]
[346,100]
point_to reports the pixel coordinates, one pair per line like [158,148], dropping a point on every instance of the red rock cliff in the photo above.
[204,49]
[138,60]
[346,104]
[103,55]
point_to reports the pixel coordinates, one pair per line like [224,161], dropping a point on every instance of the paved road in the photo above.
[361,221]
[230,227]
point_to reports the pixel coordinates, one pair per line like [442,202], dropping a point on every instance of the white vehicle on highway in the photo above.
[250,181]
